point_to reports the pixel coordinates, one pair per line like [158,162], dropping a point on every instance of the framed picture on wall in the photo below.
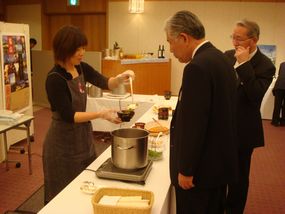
[269,51]
[14,72]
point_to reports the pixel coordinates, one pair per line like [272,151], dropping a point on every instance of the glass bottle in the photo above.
[162,52]
[159,52]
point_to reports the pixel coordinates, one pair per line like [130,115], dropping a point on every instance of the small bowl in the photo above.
[126,115]
[139,125]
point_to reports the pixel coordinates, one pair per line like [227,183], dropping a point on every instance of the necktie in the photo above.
[238,79]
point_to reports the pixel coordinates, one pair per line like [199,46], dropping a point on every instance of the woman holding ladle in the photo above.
[68,147]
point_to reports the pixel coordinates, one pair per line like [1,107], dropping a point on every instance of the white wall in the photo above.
[27,14]
[138,33]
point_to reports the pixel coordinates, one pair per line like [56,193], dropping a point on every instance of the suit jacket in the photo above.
[203,127]
[255,78]
[280,82]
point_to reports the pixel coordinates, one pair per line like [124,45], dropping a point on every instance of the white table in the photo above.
[267,104]
[72,200]
[23,123]
[145,102]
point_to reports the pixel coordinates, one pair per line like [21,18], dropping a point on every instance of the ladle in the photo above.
[158,136]
[133,105]
[156,139]
[131,85]
[120,106]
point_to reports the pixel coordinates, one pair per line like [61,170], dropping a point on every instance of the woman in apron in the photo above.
[68,147]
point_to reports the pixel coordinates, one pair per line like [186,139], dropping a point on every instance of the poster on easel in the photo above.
[15,73]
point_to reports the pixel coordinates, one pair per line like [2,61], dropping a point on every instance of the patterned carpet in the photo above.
[267,182]
[267,179]
[16,185]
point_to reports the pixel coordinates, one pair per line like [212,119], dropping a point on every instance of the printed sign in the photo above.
[15,73]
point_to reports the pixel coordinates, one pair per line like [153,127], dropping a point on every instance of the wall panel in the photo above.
[94,26]
[86,6]
[2,11]
[90,16]
[29,14]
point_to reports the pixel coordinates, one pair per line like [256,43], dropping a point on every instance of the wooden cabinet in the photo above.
[89,16]
[151,77]
[2,11]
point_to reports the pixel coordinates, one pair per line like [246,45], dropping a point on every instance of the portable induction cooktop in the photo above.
[109,171]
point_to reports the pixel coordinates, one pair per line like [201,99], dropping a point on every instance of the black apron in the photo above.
[68,148]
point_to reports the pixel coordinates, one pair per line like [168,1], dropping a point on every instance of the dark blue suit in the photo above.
[255,76]
[203,131]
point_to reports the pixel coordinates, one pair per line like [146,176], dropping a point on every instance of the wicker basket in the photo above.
[109,209]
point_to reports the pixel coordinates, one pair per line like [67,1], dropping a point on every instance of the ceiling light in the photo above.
[136,6]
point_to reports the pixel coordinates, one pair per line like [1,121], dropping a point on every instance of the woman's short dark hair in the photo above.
[66,41]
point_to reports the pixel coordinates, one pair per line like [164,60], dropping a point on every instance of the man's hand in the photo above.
[185,182]
[242,54]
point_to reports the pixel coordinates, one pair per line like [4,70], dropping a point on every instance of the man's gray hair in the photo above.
[252,28]
[185,22]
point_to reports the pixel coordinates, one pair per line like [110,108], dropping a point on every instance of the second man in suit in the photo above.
[254,73]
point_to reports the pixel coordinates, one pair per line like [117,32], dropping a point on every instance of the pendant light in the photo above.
[136,6]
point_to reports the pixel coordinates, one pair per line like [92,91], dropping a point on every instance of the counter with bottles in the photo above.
[153,75]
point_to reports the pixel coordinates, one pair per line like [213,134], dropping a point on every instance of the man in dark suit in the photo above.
[254,73]
[203,150]
[279,101]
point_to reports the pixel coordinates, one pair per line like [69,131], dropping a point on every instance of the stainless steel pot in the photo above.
[93,91]
[129,148]
[120,90]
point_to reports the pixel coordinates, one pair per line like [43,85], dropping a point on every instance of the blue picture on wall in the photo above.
[269,51]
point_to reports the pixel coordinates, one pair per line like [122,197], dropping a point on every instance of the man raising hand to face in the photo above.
[254,73]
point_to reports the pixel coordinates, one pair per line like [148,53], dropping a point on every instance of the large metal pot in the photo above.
[120,90]
[129,148]
[93,91]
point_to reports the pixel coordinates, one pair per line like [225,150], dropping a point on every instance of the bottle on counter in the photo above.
[121,53]
[162,52]
[116,51]
[159,52]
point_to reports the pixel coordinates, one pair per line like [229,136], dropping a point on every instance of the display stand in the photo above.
[21,124]
[15,77]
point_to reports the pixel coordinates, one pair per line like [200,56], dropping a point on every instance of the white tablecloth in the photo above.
[267,104]
[72,200]
[145,102]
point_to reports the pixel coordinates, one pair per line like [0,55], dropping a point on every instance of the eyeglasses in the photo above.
[238,39]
